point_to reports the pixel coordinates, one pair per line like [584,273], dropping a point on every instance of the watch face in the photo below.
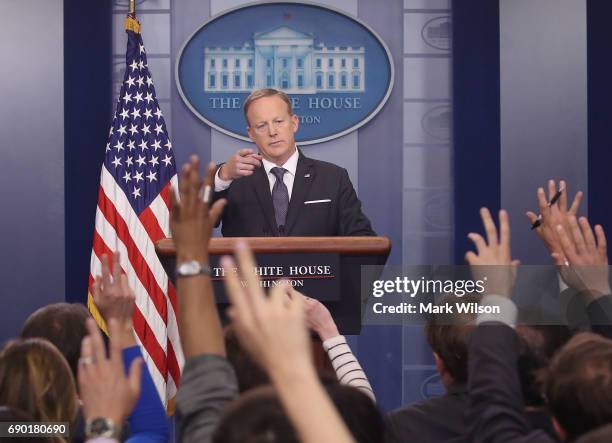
[189,268]
[100,427]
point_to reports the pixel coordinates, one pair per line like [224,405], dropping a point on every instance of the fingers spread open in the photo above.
[563,197]
[577,235]
[576,203]
[567,245]
[602,244]
[489,226]
[552,189]
[479,242]
[236,293]
[542,202]
[504,231]
[587,234]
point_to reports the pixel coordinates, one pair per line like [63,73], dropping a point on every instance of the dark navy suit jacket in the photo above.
[323,203]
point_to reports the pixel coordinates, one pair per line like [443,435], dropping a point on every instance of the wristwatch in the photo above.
[101,427]
[192,268]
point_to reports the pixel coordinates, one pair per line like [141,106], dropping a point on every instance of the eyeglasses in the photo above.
[262,127]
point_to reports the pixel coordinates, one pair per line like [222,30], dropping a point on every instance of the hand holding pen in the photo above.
[538,222]
[553,212]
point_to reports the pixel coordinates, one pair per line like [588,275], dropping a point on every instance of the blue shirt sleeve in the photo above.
[148,420]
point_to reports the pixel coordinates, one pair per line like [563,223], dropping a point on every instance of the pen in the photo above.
[553,200]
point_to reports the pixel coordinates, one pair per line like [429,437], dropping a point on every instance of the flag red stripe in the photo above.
[165,194]
[139,263]
[149,221]
[142,328]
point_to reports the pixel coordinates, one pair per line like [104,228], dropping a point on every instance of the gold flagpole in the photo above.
[131,23]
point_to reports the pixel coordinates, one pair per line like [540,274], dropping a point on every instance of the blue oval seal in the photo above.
[336,70]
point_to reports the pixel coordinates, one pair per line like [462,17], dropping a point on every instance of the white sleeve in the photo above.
[348,370]
[498,309]
[220,184]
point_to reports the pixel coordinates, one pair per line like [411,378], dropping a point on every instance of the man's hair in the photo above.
[265,92]
[257,416]
[249,374]
[578,384]
[448,335]
[538,344]
[63,324]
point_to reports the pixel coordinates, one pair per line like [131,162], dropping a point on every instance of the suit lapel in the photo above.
[304,176]
[262,189]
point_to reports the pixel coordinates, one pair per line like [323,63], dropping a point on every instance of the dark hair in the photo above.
[578,384]
[265,92]
[448,334]
[35,378]
[359,412]
[258,417]
[538,343]
[248,372]
[63,324]
[601,435]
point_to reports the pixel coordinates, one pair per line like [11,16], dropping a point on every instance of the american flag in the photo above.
[133,213]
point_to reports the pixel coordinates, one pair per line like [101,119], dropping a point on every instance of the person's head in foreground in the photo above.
[258,416]
[448,335]
[271,124]
[35,378]
[578,386]
[63,324]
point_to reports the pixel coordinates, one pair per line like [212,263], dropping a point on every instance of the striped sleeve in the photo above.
[348,370]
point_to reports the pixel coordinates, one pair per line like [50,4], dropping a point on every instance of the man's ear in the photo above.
[250,132]
[439,364]
[559,430]
[295,122]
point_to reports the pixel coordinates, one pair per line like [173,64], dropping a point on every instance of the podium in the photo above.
[325,268]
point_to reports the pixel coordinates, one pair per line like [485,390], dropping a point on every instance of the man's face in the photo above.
[272,128]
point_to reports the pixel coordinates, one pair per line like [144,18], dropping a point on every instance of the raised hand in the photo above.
[113,296]
[553,215]
[583,260]
[318,317]
[493,258]
[241,164]
[106,391]
[191,219]
[272,329]
[191,224]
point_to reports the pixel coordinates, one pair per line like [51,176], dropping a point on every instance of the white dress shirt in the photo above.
[290,165]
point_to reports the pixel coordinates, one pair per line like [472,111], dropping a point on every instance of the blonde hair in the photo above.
[265,92]
[35,378]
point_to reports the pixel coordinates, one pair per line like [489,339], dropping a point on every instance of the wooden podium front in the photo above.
[325,268]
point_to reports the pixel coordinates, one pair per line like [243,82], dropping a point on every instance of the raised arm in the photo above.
[208,381]
[495,412]
[273,330]
[345,364]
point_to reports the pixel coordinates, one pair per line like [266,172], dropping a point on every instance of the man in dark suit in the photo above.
[279,191]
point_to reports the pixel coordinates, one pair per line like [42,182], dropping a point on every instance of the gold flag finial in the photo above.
[133,8]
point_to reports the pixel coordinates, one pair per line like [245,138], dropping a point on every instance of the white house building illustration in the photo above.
[284,59]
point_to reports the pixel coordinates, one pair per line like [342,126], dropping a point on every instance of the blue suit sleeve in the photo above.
[148,420]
